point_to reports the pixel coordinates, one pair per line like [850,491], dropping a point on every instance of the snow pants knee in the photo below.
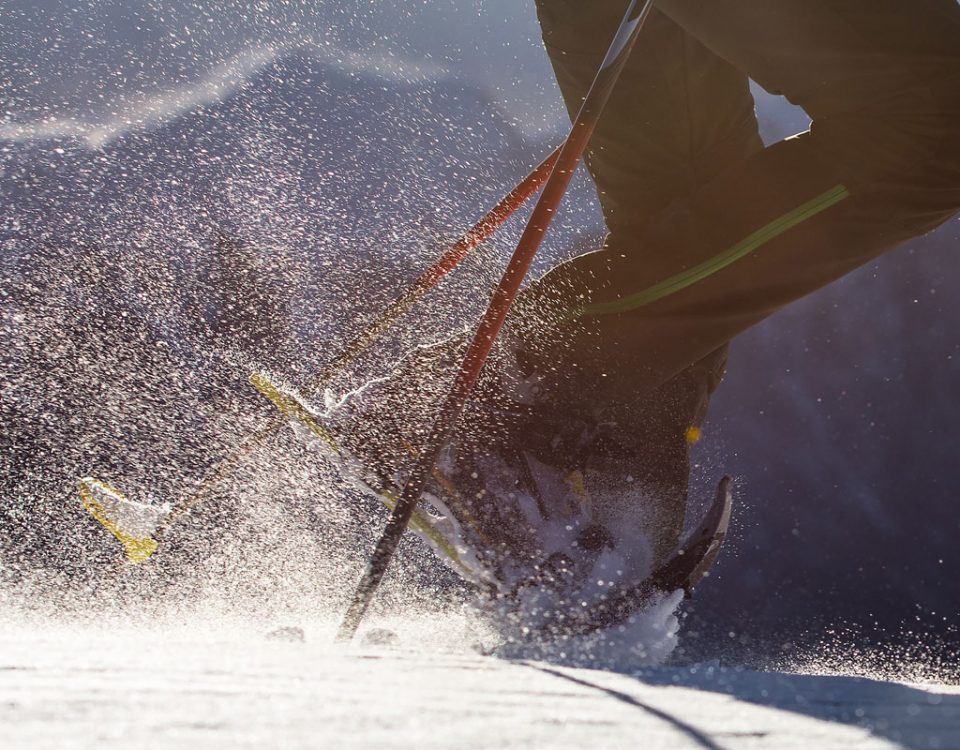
[710,232]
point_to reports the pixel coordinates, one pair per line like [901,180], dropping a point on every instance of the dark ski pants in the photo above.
[709,231]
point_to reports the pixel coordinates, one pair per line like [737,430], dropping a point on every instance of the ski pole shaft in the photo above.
[451,258]
[504,209]
[492,320]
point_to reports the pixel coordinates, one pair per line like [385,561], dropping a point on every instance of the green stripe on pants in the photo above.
[719,262]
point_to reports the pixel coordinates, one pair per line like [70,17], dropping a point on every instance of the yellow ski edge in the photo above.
[290,406]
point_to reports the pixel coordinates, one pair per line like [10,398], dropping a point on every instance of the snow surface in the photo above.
[230,686]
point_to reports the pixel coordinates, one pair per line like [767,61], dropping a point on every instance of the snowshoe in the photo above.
[538,541]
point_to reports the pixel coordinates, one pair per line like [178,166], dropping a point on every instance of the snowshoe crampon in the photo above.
[682,570]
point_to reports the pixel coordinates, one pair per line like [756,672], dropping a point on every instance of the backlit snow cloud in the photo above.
[217,84]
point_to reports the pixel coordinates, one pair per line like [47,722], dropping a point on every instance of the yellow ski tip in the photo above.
[94,494]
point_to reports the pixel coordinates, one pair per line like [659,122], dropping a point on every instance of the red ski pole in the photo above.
[450,259]
[492,320]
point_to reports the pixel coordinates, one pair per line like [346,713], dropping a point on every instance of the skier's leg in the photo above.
[679,116]
[881,164]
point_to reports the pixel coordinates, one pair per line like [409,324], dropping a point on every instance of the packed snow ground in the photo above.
[230,686]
